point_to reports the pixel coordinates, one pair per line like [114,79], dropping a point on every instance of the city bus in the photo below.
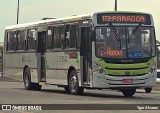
[102,50]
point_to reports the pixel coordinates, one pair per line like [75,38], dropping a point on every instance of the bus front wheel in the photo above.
[74,84]
[27,81]
[128,92]
[148,90]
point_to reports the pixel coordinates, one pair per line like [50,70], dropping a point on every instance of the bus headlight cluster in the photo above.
[153,68]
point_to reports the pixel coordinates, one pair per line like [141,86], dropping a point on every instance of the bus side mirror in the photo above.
[93,35]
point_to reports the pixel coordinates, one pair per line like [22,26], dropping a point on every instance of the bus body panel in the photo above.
[15,62]
[58,64]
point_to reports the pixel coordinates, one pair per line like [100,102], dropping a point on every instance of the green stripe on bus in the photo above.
[124,69]
[124,66]
[126,72]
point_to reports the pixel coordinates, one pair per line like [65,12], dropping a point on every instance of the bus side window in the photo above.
[73,36]
[59,37]
[49,38]
[53,37]
[32,39]
[11,38]
[57,45]
[21,40]
[66,37]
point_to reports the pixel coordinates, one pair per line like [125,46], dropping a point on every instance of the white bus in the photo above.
[115,50]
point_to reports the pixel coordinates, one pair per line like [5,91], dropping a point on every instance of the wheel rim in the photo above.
[73,83]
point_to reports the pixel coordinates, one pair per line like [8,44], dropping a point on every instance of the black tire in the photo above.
[148,90]
[128,92]
[27,81]
[74,84]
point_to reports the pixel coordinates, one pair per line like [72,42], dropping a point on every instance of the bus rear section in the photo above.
[125,52]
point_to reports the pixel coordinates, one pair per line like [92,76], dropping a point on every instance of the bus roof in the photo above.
[134,12]
[67,19]
[50,21]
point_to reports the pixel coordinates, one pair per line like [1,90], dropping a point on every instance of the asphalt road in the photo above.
[14,93]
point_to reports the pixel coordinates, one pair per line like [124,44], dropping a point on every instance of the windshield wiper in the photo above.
[115,32]
[135,29]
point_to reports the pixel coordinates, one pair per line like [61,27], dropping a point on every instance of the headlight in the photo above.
[153,68]
[99,68]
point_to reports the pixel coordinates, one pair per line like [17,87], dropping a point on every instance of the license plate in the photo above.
[127,81]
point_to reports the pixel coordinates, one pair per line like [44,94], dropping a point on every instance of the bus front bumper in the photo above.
[106,81]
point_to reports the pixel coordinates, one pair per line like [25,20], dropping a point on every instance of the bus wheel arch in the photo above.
[69,71]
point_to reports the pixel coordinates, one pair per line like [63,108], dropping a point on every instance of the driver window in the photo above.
[145,37]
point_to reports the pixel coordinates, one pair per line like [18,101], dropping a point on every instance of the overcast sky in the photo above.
[34,10]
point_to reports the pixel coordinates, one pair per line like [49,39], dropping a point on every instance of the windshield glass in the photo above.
[125,42]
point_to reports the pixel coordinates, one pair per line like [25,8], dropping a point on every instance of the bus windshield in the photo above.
[125,42]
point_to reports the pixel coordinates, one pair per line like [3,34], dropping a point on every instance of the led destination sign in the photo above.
[123,18]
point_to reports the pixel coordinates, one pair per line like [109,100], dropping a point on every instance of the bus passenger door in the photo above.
[41,48]
[85,52]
